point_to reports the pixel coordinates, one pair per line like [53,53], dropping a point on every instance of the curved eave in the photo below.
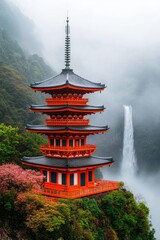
[67,78]
[68,86]
[47,109]
[74,130]
[64,163]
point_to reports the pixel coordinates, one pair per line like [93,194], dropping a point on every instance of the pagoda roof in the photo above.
[66,107]
[66,77]
[67,162]
[59,129]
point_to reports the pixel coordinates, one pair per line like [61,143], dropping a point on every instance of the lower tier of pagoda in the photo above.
[99,186]
[71,177]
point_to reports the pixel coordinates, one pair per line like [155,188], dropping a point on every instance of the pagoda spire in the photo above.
[67,45]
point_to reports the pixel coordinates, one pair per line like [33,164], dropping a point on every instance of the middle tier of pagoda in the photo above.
[67,128]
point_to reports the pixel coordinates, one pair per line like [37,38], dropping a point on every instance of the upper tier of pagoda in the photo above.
[67,81]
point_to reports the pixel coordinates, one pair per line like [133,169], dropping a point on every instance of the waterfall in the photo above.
[129,162]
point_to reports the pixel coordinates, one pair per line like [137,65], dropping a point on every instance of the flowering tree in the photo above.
[14,177]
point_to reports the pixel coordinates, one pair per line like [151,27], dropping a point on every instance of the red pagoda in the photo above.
[67,162]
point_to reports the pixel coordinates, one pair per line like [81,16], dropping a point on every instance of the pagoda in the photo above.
[67,162]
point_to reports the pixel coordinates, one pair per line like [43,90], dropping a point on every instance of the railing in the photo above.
[63,148]
[62,122]
[78,151]
[59,101]
[100,186]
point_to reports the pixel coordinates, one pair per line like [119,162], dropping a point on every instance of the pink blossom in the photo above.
[14,177]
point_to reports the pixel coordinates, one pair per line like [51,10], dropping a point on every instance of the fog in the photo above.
[114,42]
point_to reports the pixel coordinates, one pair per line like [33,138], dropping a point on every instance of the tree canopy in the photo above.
[15,144]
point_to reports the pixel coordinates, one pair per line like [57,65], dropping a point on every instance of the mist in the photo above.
[117,43]
[114,42]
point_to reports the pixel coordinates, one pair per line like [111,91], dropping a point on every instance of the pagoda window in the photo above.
[90,176]
[63,178]
[80,117]
[82,142]
[70,117]
[64,95]
[71,179]
[71,142]
[51,142]
[58,142]
[64,142]
[45,175]
[83,179]
[70,95]
[53,177]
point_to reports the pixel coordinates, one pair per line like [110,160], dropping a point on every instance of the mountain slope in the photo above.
[18,69]
[15,98]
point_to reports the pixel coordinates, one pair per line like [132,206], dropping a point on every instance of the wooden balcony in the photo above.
[100,186]
[62,101]
[79,151]
[67,122]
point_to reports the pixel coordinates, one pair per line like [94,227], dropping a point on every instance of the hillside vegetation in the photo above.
[26,215]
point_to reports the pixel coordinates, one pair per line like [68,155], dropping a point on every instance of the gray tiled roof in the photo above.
[67,77]
[74,128]
[67,162]
[46,107]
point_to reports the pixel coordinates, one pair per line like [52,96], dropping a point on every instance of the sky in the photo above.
[99,29]
[116,42]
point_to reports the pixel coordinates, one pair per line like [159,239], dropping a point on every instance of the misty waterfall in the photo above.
[129,161]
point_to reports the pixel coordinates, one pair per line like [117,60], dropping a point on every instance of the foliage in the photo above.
[127,217]
[29,144]
[47,222]
[14,145]
[9,140]
[15,98]
[115,216]
[14,177]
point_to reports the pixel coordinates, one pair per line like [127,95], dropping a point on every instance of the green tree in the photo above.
[9,139]
[29,144]
[14,144]
[126,216]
